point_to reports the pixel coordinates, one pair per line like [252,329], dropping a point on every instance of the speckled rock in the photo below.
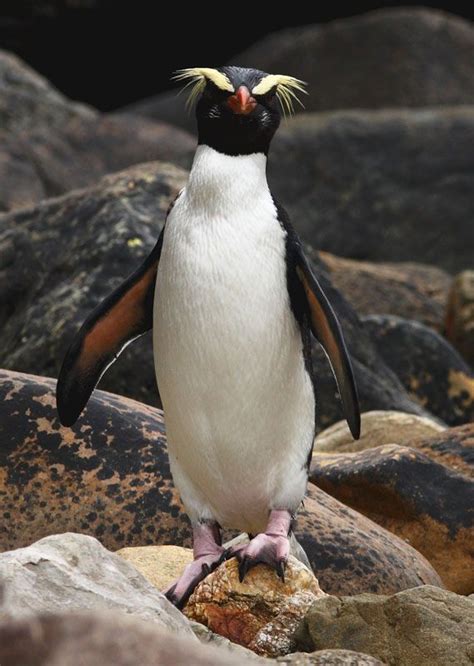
[405,57]
[262,613]
[329,658]
[108,476]
[63,257]
[75,572]
[453,448]
[423,502]
[377,428]
[102,639]
[350,553]
[161,565]
[418,627]
[431,370]
[459,325]
[409,290]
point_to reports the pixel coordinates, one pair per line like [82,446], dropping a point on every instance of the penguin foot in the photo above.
[265,548]
[180,591]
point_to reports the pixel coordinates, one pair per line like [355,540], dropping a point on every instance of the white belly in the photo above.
[238,402]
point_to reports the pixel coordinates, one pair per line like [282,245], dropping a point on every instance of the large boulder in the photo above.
[459,324]
[377,428]
[75,572]
[418,627]
[392,185]
[408,290]
[453,448]
[62,257]
[101,638]
[422,501]
[431,370]
[108,476]
[50,145]
[389,58]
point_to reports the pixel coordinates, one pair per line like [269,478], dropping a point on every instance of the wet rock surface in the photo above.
[422,501]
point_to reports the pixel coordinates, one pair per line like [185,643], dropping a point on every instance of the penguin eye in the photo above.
[214,92]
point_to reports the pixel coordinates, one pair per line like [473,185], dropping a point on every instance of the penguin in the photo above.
[233,303]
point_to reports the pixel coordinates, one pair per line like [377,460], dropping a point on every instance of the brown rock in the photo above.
[262,613]
[459,326]
[409,290]
[453,448]
[329,658]
[421,501]
[102,639]
[108,476]
[377,428]
[161,565]
[351,554]
[423,626]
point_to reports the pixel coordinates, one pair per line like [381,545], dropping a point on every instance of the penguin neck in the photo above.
[226,180]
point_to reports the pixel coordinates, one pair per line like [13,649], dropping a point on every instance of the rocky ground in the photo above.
[378,176]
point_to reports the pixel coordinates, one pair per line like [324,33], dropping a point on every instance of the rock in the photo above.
[418,627]
[61,258]
[405,57]
[421,501]
[409,290]
[453,448]
[377,428]
[351,554]
[101,638]
[429,368]
[380,185]
[108,476]
[75,572]
[459,325]
[50,145]
[262,613]
[329,658]
[161,565]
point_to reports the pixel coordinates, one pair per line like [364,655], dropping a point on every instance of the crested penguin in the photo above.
[233,303]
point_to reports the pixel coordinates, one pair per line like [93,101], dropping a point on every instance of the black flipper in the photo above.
[121,318]
[309,302]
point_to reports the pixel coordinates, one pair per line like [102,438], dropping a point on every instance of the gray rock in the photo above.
[50,145]
[428,366]
[418,627]
[71,572]
[459,325]
[329,658]
[388,58]
[380,185]
[102,639]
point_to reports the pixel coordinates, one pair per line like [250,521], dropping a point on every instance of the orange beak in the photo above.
[242,102]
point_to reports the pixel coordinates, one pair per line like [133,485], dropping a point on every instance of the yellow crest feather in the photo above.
[286,89]
[197,77]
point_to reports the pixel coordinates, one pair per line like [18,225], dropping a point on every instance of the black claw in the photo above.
[244,566]
[280,569]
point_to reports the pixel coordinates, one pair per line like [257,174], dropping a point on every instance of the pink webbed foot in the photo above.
[271,547]
[208,554]
[180,591]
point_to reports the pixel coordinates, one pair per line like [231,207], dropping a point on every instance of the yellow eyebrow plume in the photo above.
[197,77]
[286,89]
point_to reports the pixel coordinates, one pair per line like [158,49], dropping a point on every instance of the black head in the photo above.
[238,110]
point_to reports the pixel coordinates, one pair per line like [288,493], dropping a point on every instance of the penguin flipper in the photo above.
[327,330]
[125,315]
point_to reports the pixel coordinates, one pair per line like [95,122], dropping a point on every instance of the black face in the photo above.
[238,123]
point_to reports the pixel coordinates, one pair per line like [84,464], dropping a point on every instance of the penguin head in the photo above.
[238,110]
